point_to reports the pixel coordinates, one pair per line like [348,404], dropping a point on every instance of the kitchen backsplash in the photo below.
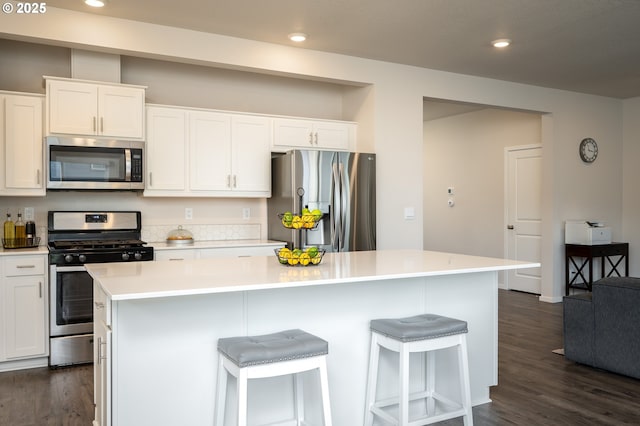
[158,233]
[250,231]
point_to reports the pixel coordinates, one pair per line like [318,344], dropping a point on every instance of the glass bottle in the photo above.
[21,232]
[9,231]
[30,228]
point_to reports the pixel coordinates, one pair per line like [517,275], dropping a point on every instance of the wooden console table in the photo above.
[581,256]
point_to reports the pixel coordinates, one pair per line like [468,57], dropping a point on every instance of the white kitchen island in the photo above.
[157,325]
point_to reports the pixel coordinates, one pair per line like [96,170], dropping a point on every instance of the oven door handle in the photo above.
[68,268]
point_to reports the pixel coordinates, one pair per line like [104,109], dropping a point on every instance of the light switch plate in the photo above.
[409,213]
[188,213]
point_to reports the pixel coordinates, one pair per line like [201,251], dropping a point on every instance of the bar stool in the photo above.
[421,333]
[278,354]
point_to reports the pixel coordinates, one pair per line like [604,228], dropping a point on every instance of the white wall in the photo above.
[631,181]
[394,118]
[466,152]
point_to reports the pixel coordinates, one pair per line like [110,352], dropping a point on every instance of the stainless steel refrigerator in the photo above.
[340,184]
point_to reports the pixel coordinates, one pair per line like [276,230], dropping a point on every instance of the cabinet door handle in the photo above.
[40,289]
[99,305]
[235,181]
[94,124]
[98,355]
[101,124]
[38,176]
[316,138]
[25,266]
[150,179]
[310,138]
[228,181]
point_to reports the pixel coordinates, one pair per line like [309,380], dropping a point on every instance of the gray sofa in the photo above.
[602,328]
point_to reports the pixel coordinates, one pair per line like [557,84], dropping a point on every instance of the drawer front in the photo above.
[238,251]
[15,266]
[184,254]
[613,250]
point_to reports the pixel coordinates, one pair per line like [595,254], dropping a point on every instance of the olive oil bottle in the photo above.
[9,231]
[21,232]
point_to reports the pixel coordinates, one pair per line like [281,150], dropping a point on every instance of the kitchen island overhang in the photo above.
[166,317]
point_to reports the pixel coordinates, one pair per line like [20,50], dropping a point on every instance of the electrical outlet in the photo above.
[246,213]
[188,213]
[29,213]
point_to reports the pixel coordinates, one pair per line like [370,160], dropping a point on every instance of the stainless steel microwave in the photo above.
[94,164]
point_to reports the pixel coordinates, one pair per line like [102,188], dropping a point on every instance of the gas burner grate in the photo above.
[96,244]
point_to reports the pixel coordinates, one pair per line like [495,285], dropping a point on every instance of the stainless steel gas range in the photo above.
[75,239]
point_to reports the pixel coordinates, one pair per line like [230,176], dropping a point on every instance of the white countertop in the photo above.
[215,244]
[24,251]
[141,280]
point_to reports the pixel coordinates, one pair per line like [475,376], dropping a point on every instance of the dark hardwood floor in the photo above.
[537,387]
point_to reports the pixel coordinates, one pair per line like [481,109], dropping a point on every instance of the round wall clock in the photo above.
[588,150]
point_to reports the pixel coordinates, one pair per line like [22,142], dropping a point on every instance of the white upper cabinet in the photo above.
[94,109]
[251,156]
[290,133]
[22,165]
[166,150]
[210,151]
[207,153]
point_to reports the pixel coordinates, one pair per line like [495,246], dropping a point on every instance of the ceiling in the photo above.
[588,46]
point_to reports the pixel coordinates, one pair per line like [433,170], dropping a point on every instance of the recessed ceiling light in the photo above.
[501,43]
[297,37]
[95,3]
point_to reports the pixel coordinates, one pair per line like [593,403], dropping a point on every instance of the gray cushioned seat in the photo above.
[282,346]
[601,328]
[419,327]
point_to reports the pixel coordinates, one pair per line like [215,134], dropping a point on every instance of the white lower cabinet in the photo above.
[23,315]
[101,357]
[175,254]
[237,251]
[210,252]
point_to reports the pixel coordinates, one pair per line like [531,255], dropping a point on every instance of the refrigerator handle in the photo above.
[343,207]
[337,208]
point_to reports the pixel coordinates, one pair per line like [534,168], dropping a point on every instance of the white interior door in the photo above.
[524,215]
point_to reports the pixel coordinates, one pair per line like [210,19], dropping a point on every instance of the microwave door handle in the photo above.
[127,167]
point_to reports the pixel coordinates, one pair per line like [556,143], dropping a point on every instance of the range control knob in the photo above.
[125,256]
[82,258]
[68,258]
[138,255]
